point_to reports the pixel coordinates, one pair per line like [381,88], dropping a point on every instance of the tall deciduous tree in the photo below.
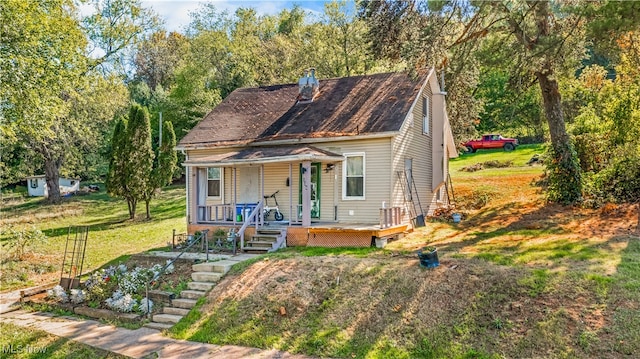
[545,40]
[114,28]
[158,57]
[42,64]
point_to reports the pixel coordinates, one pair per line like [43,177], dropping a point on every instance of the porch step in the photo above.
[270,231]
[192,294]
[204,286]
[265,238]
[206,276]
[158,326]
[167,318]
[259,244]
[222,266]
[184,303]
[258,250]
[175,311]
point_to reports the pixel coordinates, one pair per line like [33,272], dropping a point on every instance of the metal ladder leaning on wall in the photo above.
[73,259]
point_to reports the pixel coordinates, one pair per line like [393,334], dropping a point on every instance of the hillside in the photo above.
[518,278]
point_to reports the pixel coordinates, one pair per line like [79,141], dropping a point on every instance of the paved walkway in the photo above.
[138,343]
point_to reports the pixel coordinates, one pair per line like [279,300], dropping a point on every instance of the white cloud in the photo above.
[175,13]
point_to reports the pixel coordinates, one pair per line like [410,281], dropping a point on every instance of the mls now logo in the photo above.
[18,349]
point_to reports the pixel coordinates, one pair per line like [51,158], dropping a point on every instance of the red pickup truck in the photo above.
[491,141]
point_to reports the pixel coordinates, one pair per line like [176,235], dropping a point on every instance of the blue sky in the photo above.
[176,12]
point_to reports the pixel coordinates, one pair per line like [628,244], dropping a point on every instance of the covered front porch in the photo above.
[293,188]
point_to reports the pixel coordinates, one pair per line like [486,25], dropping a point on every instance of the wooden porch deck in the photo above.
[320,234]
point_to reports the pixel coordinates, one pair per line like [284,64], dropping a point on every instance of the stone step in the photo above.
[206,276]
[166,318]
[222,266]
[183,303]
[192,294]
[204,286]
[158,326]
[175,311]
[259,244]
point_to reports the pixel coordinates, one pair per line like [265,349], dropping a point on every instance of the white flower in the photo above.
[58,293]
[121,303]
[77,296]
[143,307]
[170,268]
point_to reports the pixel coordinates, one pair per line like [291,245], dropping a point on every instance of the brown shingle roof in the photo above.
[344,107]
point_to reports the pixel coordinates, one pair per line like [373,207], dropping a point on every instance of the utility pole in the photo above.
[160,131]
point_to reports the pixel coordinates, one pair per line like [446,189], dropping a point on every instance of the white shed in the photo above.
[37,186]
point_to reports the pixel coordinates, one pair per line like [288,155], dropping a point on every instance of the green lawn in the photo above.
[22,343]
[111,233]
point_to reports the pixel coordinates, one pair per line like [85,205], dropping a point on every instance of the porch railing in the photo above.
[256,217]
[391,216]
[223,213]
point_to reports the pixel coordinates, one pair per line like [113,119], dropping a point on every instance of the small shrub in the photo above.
[18,241]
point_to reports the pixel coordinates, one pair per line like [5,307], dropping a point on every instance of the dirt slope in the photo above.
[341,306]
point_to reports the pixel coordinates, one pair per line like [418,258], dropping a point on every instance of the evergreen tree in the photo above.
[115,177]
[165,164]
[138,155]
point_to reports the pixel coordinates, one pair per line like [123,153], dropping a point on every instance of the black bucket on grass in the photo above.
[419,221]
[428,257]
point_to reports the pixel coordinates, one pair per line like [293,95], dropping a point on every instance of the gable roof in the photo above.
[348,106]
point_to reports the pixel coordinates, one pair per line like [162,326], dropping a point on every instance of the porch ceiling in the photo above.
[261,155]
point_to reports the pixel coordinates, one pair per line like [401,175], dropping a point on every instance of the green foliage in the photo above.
[164,165]
[620,181]
[564,181]
[131,164]
[17,242]
[115,182]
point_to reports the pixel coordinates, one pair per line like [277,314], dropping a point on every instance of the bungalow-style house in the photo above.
[37,186]
[348,160]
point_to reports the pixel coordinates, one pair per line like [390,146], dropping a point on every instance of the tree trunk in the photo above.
[133,203]
[148,211]
[566,175]
[52,178]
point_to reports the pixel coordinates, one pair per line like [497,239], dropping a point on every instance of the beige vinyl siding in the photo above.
[275,179]
[377,181]
[413,144]
[198,154]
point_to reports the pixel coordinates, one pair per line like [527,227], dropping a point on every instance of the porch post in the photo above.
[293,213]
[306,193]
[235,199]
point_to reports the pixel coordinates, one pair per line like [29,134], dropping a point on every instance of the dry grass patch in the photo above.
[387,306]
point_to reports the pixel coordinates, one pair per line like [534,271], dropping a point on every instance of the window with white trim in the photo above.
[353,171]
[426,105]
[214,182]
